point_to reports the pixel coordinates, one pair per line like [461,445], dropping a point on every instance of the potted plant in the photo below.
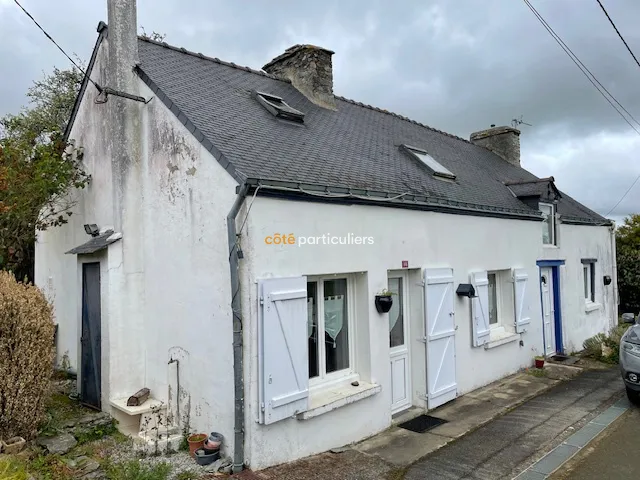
[539,361]
[196,442]
[384,301]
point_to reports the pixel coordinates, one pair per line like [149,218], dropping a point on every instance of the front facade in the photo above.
[321,228]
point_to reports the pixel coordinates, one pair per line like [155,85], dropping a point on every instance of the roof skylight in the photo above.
[279,108]
[430,162]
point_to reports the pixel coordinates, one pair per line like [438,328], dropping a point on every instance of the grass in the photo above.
[11,469]
[537,372]
[135,470]
[60,410]
[187,475]
[96,433]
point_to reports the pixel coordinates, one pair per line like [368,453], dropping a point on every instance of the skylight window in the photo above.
[431,163]
[279,108]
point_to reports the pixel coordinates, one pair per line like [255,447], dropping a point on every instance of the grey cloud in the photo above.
[455,65]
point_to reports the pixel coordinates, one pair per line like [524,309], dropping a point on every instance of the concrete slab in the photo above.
[402,447]
[554,459]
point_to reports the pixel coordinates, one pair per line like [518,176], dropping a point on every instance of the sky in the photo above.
[455,65]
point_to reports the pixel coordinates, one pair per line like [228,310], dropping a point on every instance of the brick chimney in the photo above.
[309,69]
[503,141]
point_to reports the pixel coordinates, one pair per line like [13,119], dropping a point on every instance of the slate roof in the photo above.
[97,243]
[355,148]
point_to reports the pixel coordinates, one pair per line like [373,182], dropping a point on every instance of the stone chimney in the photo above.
[309,69]
[503,141]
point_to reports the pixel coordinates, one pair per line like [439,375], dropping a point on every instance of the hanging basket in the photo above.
[383,303]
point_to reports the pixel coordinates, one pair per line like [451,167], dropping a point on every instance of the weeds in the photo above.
[187,475]
[12,470]
[135,470]
[96,433]
[536,372]
[605,348]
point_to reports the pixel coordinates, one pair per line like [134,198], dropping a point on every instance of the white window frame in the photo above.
[504,326]
[552,219]
[439,170]
[589,274]
[325,379]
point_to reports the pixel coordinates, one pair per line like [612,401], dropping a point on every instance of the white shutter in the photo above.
[441,336]
[521,302]
[283,349]
[480,309]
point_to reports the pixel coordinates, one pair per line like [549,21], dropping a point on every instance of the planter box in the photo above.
[13,445]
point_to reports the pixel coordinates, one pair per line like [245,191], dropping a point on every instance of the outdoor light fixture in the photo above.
[92,229]
[607,279]
[466,290]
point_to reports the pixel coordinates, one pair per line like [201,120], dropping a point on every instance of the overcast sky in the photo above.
[456,65]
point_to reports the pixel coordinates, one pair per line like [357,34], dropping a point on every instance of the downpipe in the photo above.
[236,310]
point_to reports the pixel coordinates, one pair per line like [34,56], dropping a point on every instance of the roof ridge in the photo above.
[402,117]
[212,59]
[273,77]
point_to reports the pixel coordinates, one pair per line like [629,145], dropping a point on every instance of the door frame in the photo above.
[557,320]
[405,350]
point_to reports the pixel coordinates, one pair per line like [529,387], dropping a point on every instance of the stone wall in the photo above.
[309,69]
[503,141]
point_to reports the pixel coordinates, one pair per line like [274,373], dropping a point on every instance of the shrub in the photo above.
[593,345]
[26,356]
[135,470]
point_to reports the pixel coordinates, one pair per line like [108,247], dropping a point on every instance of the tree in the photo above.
[37,173]
[628,262]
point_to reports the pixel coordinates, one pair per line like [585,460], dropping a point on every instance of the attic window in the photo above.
[279,108]
[430,162]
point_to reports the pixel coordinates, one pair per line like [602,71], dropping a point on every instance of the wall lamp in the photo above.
[92,229]
[466,290]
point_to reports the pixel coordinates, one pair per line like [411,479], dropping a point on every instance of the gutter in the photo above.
[236,310]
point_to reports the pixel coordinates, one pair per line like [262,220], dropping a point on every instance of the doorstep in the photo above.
[402,447]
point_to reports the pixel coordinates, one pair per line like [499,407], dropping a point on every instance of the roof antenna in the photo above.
[518,121]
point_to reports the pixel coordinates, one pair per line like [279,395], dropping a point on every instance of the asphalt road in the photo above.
[613,455]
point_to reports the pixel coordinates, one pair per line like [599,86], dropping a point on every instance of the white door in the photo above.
[548,312]
[399,343]
[441,331]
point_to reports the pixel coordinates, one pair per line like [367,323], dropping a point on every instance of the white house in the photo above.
[239,224]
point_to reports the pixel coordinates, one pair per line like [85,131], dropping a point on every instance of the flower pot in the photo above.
[383,303]
[196,442]
[14,445]
[539,362]
[203,458]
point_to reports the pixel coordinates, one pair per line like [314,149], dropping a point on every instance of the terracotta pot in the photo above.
[196,442]
[539,362]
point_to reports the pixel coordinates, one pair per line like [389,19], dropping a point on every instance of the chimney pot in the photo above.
[309,69]
[503,141]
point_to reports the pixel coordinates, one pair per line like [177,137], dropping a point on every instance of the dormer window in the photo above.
[430,162]
[279,108]
[548,223]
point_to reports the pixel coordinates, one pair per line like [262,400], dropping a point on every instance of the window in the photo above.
[589,278]
[493,299]
[430,162]
[548,223]
[396,314]
[500,305]
[329,328]
[279,108]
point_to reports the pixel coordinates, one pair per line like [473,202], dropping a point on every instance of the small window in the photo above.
[430,162]
[589,279]
[500,307]
[329,328]
[279,108]
[548,223]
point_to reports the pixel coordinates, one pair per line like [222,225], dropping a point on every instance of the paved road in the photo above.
[613,455]
[496,450]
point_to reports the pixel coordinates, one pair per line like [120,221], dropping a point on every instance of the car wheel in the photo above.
[634,397]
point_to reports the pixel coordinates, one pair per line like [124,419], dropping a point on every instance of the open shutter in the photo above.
[522,314]
[283,358]
[480,309]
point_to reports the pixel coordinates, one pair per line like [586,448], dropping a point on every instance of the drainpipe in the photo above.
[236,309]
[614,275]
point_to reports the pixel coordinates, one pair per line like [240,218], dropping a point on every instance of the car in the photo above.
[630,358]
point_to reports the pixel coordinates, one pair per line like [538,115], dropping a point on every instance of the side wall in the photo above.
[179,196]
